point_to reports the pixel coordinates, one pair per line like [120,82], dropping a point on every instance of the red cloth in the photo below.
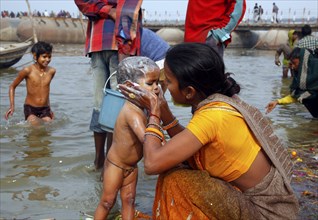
[128,23]
[204,15]
[102,32]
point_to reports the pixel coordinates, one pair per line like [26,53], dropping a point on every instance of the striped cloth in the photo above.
[128,26]
[102,33]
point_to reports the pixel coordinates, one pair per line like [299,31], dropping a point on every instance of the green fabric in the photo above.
[290,38]
[305,80]
[291,46]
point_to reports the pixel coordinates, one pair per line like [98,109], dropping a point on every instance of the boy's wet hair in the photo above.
[41,47]
[134,68]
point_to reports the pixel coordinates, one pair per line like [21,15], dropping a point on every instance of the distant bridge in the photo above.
[243,26]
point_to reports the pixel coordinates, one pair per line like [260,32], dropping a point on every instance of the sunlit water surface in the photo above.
[48,172]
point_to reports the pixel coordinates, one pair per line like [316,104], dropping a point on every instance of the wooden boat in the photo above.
[10,54]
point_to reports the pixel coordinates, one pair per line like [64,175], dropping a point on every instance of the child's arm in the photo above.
[136,121]
[138,130]
[21,76]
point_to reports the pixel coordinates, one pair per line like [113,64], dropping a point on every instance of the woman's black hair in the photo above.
[41,47]
[306,30]
[200,66]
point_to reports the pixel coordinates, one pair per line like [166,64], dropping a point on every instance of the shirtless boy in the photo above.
[38,77]
[120,167]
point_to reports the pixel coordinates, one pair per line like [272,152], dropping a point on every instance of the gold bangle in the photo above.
[156,131]
[153,134]
[172,124]
[155,124]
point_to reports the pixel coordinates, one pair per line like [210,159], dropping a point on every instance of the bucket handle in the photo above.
[104,89]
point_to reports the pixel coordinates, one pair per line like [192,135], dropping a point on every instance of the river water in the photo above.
[48,172]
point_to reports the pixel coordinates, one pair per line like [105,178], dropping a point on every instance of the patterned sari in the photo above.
[194,194]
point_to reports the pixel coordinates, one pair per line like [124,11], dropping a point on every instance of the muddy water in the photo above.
[47,172]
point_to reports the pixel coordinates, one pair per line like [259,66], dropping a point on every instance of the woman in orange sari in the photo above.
[226,163]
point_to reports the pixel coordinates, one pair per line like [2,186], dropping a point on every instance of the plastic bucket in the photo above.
[112,103]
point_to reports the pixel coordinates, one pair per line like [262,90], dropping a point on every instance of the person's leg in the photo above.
[112,182]
[128,195]
[182,193]
[103,64]
[112,63]
[34,120]
[30,115]
[99,78]
[47,119]
[285,71]
[99,140]
[291,72]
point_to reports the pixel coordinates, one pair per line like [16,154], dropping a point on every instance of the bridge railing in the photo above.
[289,16]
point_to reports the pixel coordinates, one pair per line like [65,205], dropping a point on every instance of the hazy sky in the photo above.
[166,7]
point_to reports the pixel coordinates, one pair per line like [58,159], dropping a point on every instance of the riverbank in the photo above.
[305,179]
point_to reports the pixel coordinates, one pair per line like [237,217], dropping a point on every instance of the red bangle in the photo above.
[172,124]
[156,116]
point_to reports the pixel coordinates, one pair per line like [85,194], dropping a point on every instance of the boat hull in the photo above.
[12,53]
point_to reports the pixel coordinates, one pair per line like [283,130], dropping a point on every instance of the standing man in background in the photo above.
[307,41]
[261,12]
[286,49]
[275,13]
[113,33]
[212,22]
[256,13]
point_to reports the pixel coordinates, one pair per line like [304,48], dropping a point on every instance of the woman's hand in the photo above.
[139,96]
[271,106]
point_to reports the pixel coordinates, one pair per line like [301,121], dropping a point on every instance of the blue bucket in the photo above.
[112,103]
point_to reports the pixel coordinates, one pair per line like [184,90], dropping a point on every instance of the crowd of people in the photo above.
[258,12]
[234,168]
[35,13]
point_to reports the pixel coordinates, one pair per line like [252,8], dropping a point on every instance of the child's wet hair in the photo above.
[134,68]
[41,47]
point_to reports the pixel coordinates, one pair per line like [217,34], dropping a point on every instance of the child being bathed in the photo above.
[120,167]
